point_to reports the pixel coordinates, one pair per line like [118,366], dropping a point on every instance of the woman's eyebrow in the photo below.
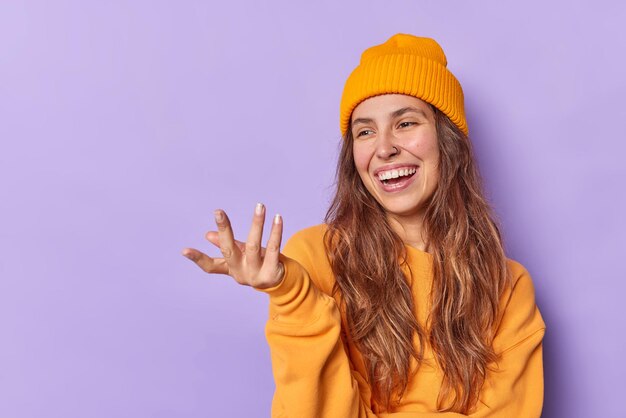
[361,120]
[404,110]
[394,114]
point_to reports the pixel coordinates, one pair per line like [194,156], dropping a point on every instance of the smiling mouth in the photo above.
[396,180]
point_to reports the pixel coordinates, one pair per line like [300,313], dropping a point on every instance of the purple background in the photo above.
[124,124]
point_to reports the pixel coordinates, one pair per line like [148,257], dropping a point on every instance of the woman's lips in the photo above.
[400,185]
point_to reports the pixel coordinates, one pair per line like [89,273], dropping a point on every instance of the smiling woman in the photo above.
[396,154]
[402,303]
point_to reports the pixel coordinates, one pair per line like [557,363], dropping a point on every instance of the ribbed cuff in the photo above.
[296,299]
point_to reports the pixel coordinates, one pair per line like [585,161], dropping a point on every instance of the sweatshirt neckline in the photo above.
[419,252]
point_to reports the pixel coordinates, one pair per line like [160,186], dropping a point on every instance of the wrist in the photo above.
[280,275]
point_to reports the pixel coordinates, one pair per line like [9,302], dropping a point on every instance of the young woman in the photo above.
[402,303]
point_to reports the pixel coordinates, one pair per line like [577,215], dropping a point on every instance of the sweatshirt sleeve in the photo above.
[312,372]
[515,387]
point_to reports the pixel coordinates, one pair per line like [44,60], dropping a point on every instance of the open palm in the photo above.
[248,263]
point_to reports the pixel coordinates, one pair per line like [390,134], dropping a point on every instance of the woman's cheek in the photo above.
[361,159]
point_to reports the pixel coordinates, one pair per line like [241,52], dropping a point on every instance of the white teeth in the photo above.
[392,174]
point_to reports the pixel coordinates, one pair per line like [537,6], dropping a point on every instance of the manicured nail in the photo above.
[219,215]
[258,209]
[277,219]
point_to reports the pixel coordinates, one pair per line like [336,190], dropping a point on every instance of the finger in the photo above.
[270,261]
[229,249]
[253,245]
[206,263]
[214,238]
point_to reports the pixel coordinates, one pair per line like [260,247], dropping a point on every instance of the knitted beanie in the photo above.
[405,64]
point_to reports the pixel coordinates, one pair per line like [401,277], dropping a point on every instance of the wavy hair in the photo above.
[469,267]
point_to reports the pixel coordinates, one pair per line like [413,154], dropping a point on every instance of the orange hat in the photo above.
[405,64]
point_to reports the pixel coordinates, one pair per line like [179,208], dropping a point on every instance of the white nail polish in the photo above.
[258,209]
[277,219]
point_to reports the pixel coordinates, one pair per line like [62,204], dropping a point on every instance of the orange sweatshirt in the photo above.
[320,374]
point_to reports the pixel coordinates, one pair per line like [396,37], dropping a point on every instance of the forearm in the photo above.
[312,371]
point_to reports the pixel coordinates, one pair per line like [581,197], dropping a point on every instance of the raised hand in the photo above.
[248,263]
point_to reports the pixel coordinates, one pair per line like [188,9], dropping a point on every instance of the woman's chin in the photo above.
[402,211]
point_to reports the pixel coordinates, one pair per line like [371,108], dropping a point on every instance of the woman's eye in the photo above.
[405,124]
[364,132]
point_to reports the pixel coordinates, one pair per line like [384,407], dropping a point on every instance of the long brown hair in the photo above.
[469,267]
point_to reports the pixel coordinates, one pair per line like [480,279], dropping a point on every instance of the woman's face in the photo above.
[403,178]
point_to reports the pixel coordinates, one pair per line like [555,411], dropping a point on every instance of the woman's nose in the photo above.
[386,146]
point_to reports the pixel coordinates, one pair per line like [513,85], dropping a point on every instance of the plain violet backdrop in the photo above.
[124,124]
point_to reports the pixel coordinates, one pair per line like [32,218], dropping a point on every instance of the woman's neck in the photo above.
[410,229]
